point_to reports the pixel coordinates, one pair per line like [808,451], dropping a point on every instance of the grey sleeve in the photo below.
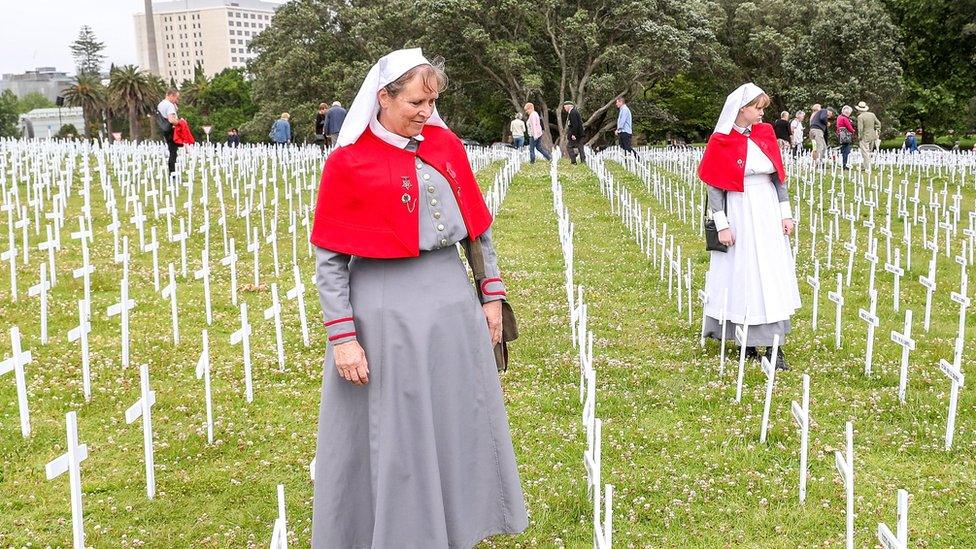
[783,195]
[492,286]
[332,281]
[716,198]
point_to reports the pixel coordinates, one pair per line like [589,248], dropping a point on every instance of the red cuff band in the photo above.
[336,321]
[340,336]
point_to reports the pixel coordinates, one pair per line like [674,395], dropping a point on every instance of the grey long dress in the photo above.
[421,456]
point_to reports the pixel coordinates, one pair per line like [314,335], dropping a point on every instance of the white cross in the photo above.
[143,408]
[123,307]
[768,368]
[845,466]
[272,239]
[70,462]
[80,333]
[254,246]
[153,246]
[899,541]
[279,534]
[929,283]
[297,294]
[742,337]
[11,256]
[871,317]
[801,414]
[169,291]
[181,237]
[16,364]
[955,374]
[898,272]
[814,282]
[204,273]
[85,271]
[275,312]
[41,289]
[962,298]
[231,261]
[203,371]
[243,337]
[50,245]
[837,297]
[907,345]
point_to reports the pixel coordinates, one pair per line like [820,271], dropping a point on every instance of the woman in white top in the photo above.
[754,282]
[517,128]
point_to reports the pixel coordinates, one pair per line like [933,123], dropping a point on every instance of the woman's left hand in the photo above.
[788,227]
[493,314]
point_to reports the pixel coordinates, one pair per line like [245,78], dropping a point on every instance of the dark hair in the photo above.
[621,99]
[433,77]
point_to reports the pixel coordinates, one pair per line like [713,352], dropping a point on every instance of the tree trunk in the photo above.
[133,122]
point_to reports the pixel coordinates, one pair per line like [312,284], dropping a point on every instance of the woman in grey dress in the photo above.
[413,447]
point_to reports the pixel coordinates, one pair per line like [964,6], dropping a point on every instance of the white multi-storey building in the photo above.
[213,33]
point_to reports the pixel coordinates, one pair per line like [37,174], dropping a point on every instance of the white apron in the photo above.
[758,272]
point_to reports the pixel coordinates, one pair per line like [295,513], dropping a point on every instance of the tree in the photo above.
[8,114]
[938,55]
[224,102]
[87,51]
[129,88]
[88,93]
[33,100]
[587,52]
[319,51]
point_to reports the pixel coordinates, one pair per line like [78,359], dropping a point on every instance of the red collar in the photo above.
[724,163]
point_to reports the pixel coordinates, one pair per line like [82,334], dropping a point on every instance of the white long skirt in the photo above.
[758,273]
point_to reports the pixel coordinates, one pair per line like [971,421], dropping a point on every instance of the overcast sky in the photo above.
[37,33]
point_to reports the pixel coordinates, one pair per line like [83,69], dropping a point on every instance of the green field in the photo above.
[685,461]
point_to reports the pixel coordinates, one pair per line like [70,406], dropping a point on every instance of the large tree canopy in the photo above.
[675,60]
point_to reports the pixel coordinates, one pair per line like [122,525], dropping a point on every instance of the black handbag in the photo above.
[712,243]
[476,258]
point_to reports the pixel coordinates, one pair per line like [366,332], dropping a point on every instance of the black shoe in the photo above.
[752,353]
[781,364]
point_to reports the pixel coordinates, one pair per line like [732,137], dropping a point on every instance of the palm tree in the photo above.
[88,93]
[130,87]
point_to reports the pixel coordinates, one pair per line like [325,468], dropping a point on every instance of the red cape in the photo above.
[368,197]
[724,163]
[182,134]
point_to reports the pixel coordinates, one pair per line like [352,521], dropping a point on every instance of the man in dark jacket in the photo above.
[333,122]
[574,131]
[781,127]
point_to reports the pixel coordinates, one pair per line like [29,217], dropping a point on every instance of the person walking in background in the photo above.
[869,131]
[333,122]
[845,134]
[625,126]
[320,126]
[781,127]
[752,282]
[535,134]
[819,121]
[517,127]
[796,133]
[911,142]
[166,120]
[574,129]
[280,133]
[233,138]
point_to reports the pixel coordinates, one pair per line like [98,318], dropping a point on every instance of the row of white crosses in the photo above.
[498,190]
[801,412]
[582,337]
[651,237]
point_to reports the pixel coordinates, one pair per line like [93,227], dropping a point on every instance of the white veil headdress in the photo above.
[735,101]
[366,106]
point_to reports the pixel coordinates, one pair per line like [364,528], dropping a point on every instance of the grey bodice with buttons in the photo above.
[441,225]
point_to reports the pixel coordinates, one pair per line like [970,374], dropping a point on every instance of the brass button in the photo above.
[433,201]
[440,227]
[431,189]
[426,177]
[437,215]
[443,242]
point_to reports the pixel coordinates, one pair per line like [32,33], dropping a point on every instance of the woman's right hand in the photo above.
[726,237]
[350,360]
